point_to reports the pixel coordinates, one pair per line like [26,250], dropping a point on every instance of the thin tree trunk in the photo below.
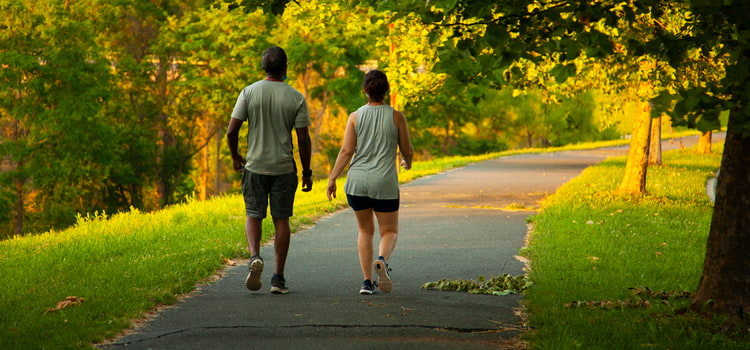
[20,210]
[529,138]
[204,159]
[704,143]
[217,166]
[654,154]
[725,284]
[164,185]
[447,138]
[634,180]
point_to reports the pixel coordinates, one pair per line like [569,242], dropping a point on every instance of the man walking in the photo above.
[272,109]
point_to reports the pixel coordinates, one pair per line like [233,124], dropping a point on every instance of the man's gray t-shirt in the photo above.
[272,109]
[373,172]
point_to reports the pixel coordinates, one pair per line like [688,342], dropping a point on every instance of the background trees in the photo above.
[137,100]
[55,145]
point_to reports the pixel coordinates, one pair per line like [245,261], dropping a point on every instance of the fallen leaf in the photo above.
[69,301]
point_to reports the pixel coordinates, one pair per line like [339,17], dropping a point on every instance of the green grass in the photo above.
[123,265]
[590,245]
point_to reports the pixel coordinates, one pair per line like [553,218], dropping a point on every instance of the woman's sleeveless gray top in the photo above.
[373,169]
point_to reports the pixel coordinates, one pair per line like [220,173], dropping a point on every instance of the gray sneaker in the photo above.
[278,285]
[252,282]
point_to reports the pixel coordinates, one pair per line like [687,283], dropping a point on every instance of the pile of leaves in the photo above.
[639,299]
[501,285]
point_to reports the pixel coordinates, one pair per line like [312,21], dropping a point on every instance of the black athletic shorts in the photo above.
[379,205]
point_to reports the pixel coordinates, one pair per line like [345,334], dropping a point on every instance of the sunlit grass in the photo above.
[591,245]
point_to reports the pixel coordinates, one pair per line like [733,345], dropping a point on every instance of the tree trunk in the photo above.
[204,159]
[165,182]
[529,138]
[654,153]
[203,173]
[219,137]
[447,143]
[20,208]
[704,143]
[164,185]
[634,180]
[725,284]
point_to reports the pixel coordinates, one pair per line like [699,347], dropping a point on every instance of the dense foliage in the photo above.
[108,106]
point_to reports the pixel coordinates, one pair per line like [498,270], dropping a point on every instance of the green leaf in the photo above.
[562,72]
[446,4]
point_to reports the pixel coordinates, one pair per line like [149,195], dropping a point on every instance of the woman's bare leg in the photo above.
[366,228]
[388,226]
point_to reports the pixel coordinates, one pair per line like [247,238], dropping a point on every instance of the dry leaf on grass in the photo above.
[228,262]
[69,301]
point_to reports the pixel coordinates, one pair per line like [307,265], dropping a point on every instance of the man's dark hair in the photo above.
[274,60]
[376,85]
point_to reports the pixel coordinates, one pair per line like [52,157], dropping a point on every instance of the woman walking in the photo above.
[373,135]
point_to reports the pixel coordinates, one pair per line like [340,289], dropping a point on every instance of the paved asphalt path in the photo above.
[451,226]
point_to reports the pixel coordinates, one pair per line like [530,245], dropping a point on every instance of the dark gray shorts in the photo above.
[258,189]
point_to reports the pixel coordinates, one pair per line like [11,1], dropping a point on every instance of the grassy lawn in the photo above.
[119,267]
[595,256]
